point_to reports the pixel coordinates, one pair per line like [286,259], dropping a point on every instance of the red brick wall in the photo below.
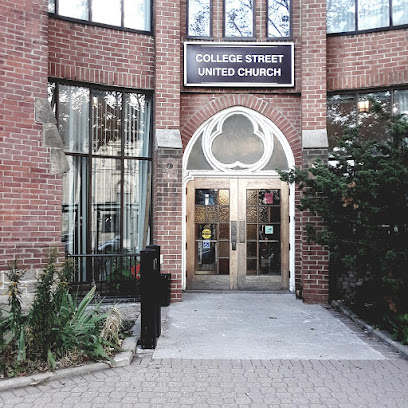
[313,64]
[167,209]
[167,47]
[30,203]
[167,178]
[100,55]
[367,60]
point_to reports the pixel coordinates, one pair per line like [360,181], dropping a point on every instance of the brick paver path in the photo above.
[227,383]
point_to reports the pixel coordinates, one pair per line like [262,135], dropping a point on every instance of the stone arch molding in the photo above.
[215,141]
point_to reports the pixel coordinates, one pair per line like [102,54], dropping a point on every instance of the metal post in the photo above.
[148,338]
[157,288]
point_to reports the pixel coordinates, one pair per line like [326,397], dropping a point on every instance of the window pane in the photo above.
[239,18]
[136,123]
[401,102]
[341,16]
[341,112]
[370,126]
[106,11]
[75,206]
[137,14]
[279,18]
[106,190]
[199,20]
[136,205]
[73,115]
[51,6]
[106,109]
[373,14]
[73,8]
[399,12]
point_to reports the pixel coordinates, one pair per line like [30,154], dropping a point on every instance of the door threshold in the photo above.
[227,291]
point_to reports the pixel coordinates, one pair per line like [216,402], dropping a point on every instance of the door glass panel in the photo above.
[224,266]
[251,231]
[224,214]
[251,214]
[212,231]
[251,266]
[263,232]
[224,231]
[206,260]
[269,258]
[212,214]
[252,197]
[224,197]
[251,249]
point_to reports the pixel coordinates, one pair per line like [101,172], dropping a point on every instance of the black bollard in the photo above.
[148,299]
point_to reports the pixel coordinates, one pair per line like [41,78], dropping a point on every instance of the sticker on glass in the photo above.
[269,229]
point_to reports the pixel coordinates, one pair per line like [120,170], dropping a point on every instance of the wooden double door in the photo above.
[237,234]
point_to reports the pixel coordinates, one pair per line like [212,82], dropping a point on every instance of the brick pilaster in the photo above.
[314,264]
[167,210]
[167,199]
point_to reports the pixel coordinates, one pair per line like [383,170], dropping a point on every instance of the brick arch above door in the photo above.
[217,104]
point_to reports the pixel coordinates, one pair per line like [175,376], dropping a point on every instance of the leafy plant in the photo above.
[56,326]
[12,337]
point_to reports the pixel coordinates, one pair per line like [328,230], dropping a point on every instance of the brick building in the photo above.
[125,123]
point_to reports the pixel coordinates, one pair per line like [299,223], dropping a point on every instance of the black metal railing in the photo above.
[114,275]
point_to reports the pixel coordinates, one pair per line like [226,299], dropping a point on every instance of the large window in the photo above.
[239,18]
[358,15]
[133,14]
[353,110]
[106,192]
[279,19]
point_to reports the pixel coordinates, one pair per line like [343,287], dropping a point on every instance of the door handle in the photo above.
[234,235]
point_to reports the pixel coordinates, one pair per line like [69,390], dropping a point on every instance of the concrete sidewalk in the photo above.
[241,325]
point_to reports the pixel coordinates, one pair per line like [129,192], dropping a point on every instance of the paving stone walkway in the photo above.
[153,381]
[227,383]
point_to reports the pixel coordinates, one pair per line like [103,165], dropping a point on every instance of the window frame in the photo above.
[356,94]
[226,38]
[272,38]
[210,36]
[90,154]
[55,14]
[388,27]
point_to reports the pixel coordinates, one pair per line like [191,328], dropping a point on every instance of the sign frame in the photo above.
[243,46]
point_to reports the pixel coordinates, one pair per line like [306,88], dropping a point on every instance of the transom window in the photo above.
[132,14]
[354,110]
[239,19]
[279,18]
[199,18]
[359,15]
[106,137]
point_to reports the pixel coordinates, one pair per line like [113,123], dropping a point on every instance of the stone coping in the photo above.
[381,335]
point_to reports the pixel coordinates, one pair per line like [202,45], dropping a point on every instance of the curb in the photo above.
[380,335]
[122,359]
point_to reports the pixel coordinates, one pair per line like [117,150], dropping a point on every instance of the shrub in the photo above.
[362,199]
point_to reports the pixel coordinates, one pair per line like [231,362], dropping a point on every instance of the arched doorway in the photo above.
[238,213]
